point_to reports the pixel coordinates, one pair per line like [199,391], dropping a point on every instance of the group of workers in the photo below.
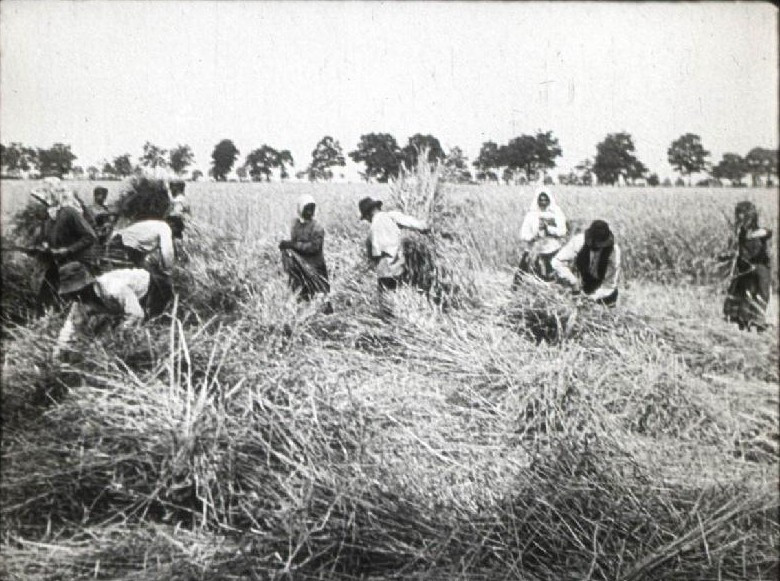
[98,264]
[94,261]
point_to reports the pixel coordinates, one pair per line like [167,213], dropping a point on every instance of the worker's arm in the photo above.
[565,255]
[313,245]
[86,235]
[166,249]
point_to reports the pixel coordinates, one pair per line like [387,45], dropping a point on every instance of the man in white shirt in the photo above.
[596,260]
[385,245]
[148,244]
[122,293]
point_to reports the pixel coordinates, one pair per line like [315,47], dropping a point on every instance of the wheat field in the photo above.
[513,435]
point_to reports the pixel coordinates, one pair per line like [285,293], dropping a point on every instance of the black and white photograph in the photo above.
[370,290]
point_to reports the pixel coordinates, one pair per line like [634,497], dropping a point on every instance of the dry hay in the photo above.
[143,198]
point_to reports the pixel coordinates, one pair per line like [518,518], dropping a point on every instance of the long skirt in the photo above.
[748,296]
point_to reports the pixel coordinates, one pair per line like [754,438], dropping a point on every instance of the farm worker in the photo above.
[542,231]
[385,245]
[302,255]
[124,293]
[99,215]
[748,293]
[147,244]
[180,207]
[596,260]
[66,236]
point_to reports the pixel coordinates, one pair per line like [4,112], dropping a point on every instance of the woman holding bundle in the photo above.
[542,233]
[302,255]
[748,294]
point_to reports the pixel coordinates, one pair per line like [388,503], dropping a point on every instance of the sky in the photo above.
[106,77]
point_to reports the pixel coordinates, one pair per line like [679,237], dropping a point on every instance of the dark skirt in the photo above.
[748,296]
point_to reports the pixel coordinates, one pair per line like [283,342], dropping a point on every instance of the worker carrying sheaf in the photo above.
[542,232]
[302,255]
[596,260]
[125,293]
[385,246]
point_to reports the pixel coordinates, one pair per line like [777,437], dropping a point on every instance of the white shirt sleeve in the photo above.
[385,236]
[566,255]
[406,221]
[611,276]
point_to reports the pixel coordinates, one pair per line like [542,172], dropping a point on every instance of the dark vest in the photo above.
[589,282]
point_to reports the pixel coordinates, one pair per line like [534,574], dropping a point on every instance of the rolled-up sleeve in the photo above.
[566,255]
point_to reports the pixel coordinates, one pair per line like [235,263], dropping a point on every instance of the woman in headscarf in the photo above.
[66,236]
[542,231]
[302,255]
[748,294]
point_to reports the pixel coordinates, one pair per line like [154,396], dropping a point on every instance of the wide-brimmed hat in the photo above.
[598,235]
[74,276]
[366,205]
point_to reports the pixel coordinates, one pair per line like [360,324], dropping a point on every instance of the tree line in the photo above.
[523,159]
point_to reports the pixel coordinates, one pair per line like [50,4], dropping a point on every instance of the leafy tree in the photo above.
[653,180]
[56,161]
[123,167]
[380,154]
[679,183]
[325,155]
[687,155]
[762,161]
[108,171]
[531,153]
[153,156]
[418,143]
[615,157]
[456,167]
[17,157]
[489,158]
[261,162]
[224,156]
[731,167]
[93,172]
[667,183]
[241,172]
[180,158]
[78,172]
[283,159]
[196,175]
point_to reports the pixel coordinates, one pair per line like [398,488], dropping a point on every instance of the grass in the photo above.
[521,436]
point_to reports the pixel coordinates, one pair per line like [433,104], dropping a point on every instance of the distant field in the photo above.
[518,436]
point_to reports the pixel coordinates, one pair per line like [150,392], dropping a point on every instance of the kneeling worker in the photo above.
[125,293]
[596,260]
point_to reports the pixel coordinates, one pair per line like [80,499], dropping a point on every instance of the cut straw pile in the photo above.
[524,435]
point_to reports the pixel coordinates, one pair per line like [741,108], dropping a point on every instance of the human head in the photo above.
[543,200]
[176,187]
[99,194]
[306,207]
[74,279]
[746,215]
[368,207]
[598,235]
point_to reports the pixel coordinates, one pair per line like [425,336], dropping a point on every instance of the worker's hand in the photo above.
[59,252]
[285,245]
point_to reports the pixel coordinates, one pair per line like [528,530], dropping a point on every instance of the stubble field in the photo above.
[510,436]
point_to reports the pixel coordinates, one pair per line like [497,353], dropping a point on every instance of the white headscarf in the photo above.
[530,228]
[304,201]
[57,195]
